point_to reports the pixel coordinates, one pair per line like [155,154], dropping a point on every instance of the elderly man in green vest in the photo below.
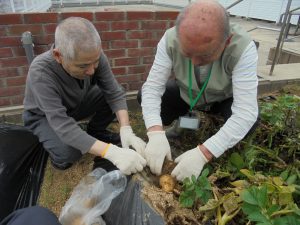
[214,64]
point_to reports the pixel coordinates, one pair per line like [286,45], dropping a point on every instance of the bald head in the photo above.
[204,16]
[76,34]
[203,29]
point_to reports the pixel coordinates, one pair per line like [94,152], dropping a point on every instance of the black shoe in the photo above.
[104,164]
[61,166]
[106,136]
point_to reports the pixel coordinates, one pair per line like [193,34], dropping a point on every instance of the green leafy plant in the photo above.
[259,207]
[195,190]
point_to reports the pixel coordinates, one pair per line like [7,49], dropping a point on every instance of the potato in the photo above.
[167,182]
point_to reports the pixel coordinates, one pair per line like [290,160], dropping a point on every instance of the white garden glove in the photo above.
[128,138]
[189,163]
[127,160]
[156,150]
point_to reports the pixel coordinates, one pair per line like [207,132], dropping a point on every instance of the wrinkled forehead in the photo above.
[198,43]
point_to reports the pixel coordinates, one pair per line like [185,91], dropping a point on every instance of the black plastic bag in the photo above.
[131,208]
[22,167]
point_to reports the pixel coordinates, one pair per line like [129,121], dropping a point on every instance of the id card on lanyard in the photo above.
[190,120]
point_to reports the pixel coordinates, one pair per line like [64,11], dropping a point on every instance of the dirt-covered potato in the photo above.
[167,183]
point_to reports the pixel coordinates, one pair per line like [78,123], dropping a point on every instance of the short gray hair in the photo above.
[225,20]
[76,34]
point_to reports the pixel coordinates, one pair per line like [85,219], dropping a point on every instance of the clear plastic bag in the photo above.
[92,197]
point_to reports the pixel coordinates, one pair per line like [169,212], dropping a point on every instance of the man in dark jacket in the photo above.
[73,81]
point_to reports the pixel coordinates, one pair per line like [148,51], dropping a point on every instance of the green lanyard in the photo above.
[193,102]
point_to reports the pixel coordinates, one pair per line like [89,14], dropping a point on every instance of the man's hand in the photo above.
[189,163]
[156,150]
[127,160]
[128,138]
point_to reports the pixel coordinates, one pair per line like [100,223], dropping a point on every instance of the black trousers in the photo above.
[173,106]
[93,105]
[35,215]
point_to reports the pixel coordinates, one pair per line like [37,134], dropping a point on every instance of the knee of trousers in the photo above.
[64,154]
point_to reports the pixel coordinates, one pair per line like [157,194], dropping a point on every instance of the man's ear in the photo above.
[57,55]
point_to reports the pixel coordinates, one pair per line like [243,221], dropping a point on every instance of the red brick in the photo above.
[2,82]
[48,17]
[117,35]
[6,19]
[4,102]
[135,86]
[148,60]
[105,45]
[11,91]
[102,26]
[154,25]
[140,35]
[125,86]
[159,34]
[119,70]
[172,15]
[18,51]
[39,49]
[23,70]
[171,24]
[125,44]
[49,28]
[16,81]
[10,41]
[139,15]
[86,15]
[124,25]
[126,61]
[128,78]
[13,62]
[138,52]
[117,53]
[43,39]
[17,100]
[15,30]
[109,16]
[5,52]
[136,69]
[9,72]
[3,31]
[149,43]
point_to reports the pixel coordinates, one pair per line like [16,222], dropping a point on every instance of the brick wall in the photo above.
[129,40]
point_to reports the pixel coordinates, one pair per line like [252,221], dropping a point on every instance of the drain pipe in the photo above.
[28,46]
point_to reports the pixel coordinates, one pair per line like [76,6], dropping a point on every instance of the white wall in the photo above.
[261,9]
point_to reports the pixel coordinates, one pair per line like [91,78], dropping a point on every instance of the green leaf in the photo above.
[249,196]
[205,172]
[287,220]
[186,201]
[249,208]
[262,197]
[273,209]
[258,217]
[199,192]
[285,174]
[237,160]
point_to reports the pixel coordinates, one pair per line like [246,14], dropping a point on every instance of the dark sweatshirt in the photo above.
[52,92]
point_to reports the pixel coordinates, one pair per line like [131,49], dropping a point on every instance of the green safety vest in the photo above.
[219,86]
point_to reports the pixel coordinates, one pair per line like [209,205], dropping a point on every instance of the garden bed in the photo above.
[256,182]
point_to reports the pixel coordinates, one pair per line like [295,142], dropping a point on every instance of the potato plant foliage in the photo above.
[258,181]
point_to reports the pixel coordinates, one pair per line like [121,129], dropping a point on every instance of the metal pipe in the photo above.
[265,28]
[279,46]
[28,46]
[233,4]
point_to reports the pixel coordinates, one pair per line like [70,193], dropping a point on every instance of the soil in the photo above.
[164,202]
